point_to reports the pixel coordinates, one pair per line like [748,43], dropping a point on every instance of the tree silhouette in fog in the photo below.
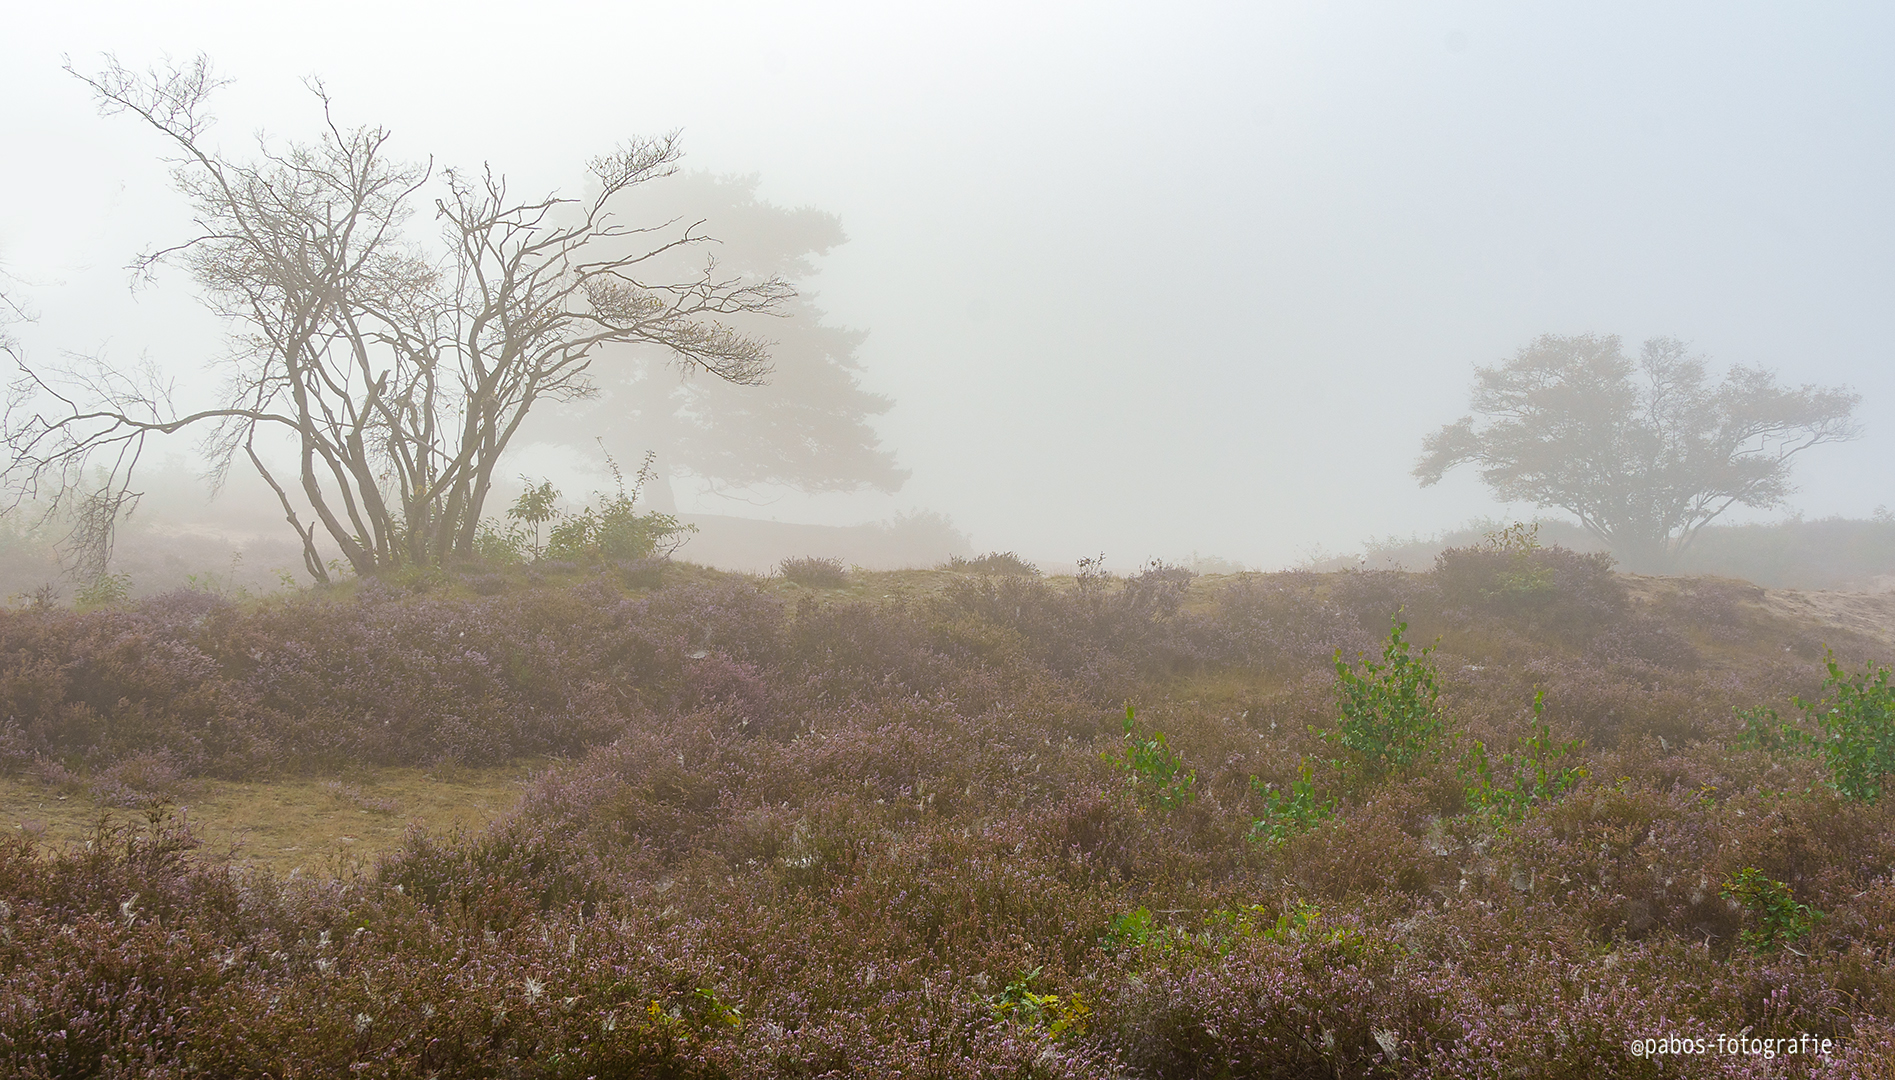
[1643,452]
[397,372]
[807,426]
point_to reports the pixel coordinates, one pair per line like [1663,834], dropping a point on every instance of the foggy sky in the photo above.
[1142,279]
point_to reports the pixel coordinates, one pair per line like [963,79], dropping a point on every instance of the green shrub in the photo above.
[1765,730]
[1154,771]
[613,529]
[1776,918]
[104,591]
[1058,1015]
[1132,927]
[1296,920]
[535,507]
[1390,719]
[1857,721]
[1390,712]
[1287,814]
[493,545]
[1137,929]
[1514,782]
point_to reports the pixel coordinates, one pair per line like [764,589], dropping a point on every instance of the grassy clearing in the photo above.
[287,825]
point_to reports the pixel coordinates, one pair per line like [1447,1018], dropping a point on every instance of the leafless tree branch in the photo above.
[401,377]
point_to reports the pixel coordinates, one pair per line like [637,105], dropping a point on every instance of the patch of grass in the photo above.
[297,823]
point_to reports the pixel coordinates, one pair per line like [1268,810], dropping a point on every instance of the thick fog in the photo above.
[1148,280]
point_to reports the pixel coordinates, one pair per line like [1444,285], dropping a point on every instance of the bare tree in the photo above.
[399,377]
[1644,454]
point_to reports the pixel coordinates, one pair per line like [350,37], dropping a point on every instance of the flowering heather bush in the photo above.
[847,837]
[1287,622]
[814,571]
[1003,563]
[1552,589]
[1103,632]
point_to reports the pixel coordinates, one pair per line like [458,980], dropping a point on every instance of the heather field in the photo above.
[649,820]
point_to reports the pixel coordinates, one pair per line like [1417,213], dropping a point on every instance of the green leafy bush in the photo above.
[1775,917]
[1765,730]
[1391,715]
[1225,928]
[104,591]
[1290,922]
[1390,719]
[614,531]
[1154,771]
[1857,721]
[535,507]
[611,529]
[1058,1015]
[1514,782]
[1285,814]
[1139,929]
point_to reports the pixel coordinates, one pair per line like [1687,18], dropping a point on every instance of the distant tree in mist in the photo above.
[398,372]
[1643,452]
[806,427]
